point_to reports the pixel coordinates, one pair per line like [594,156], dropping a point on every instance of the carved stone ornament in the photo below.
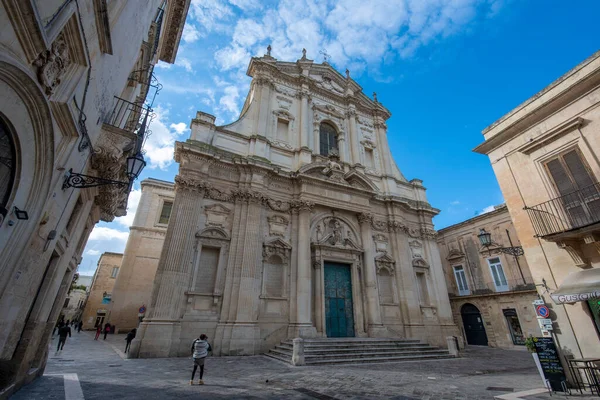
[216,215]
[455,255]
[277,247]
[213,233]
[277,225]
[335,232]
[385,261]
[51,64]
[381,242]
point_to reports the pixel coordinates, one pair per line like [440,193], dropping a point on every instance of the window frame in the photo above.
[560,156]
[499,288]
[10,134]
[326,152]
[162,205]
[467,290]
[114,272]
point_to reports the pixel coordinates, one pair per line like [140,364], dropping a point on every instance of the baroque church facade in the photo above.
[294,221]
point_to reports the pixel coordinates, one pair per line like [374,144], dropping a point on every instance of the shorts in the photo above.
[199,361]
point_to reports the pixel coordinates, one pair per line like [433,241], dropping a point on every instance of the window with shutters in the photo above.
[328,139]
[498,276]
[273,277]
[165,212]
[207,270]
[386,286]
[461,280]
[576,187]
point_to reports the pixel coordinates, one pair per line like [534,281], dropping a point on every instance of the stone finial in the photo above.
[375,97]
[303,54]
[347,73]
[269,50]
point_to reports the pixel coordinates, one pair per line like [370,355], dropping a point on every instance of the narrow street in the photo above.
[88,369]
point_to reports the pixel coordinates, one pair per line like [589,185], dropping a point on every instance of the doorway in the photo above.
[339,310]
[473,324]
[514,326]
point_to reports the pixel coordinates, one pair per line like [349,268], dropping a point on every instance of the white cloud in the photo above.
[104,233]
[159,145]
[229,101]
[93,252]
[455,203]
[190,33]
[211,15]
[185,63]
[353,32]
[487,209]
[180,127]
[163,65]
[246,4]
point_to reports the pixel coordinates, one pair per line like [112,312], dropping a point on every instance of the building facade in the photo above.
[76,299]
[73,76]
[491,292]
[545,156]
[133,288]
[294,221]
[98,302]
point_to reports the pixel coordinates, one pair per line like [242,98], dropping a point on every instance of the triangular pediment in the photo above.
[420,262]
[217,208]
[213,233]
[278,243]
[385,258]
[455,254]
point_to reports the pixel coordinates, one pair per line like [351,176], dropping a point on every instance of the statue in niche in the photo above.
[337,232]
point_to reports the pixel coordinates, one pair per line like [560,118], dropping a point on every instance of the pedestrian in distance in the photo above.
[129,338]
[200,349]
[106,330]
[63,331]
[79,326]
[98,331]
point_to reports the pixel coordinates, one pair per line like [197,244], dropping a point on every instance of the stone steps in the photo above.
[359,350]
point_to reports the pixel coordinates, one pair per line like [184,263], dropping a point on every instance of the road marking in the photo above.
[73,389]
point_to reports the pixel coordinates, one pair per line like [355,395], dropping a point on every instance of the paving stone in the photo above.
[104,373]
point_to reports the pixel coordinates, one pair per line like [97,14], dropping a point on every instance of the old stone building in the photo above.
[545,156]
[96,309]
[491,292]
[133,288]
[74,76]
[294,221]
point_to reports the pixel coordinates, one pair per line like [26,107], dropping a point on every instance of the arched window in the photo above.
[7,163]
[328,139]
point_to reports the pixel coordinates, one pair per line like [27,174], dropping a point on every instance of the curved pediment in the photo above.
[358,179]
[213,232]
[334,171]
[455,254]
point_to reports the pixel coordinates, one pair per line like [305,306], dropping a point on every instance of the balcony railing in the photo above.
[566,213]
[130,117]
[503,286]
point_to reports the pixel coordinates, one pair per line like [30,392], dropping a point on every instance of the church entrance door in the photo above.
[339,312]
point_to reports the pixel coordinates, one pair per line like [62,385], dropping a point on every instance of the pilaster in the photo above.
[351,117]
[375,327]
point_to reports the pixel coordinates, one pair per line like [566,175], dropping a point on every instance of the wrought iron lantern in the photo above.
[135,165]
[485,238]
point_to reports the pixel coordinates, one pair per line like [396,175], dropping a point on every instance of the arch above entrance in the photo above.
[334,230]
[474,326]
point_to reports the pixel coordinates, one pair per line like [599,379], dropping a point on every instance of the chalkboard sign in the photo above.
[553,370]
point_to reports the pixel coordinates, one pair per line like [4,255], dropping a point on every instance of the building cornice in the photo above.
[173,28]
[501,209]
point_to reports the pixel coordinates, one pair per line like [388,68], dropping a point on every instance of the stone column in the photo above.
[351,116]
[305,128]
[303,326]
[342,146]
[318,276]
[375,327]
[161,335]
[316,138]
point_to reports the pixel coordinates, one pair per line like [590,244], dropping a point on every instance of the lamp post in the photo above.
[135,165]
[485,238]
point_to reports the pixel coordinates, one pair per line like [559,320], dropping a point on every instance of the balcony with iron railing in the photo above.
[567,213]
[130,117]
[502,286]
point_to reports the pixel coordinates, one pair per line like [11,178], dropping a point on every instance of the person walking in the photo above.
[129,338]
[200,349]
[79,326]
[106,330]
[98,331]
[63,331]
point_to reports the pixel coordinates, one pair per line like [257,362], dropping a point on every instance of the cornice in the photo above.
[173,28]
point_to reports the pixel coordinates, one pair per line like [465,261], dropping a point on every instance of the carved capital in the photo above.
[302,205]
[364,218]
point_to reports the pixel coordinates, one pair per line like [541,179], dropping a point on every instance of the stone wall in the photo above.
[101,290]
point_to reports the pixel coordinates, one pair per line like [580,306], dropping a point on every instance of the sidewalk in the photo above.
[97,370]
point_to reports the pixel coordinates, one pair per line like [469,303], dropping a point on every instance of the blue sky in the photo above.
[446,69]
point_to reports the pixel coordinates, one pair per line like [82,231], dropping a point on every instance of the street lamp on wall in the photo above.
[485,238]
[135,165]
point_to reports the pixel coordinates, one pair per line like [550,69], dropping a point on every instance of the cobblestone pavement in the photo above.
[481,373]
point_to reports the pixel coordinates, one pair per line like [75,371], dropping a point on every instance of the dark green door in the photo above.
[339,315]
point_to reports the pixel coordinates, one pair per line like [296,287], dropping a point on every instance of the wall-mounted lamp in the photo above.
[135,165]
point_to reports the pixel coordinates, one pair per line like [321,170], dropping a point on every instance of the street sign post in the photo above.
[542,311]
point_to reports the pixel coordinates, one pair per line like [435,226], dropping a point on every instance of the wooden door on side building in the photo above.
[474,326]
[339,310]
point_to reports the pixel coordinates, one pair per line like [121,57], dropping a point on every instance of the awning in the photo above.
[578,286]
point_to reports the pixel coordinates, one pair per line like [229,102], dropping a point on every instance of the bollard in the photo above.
[298,352]
[452,345]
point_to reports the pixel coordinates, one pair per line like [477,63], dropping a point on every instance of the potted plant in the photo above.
[530,344]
